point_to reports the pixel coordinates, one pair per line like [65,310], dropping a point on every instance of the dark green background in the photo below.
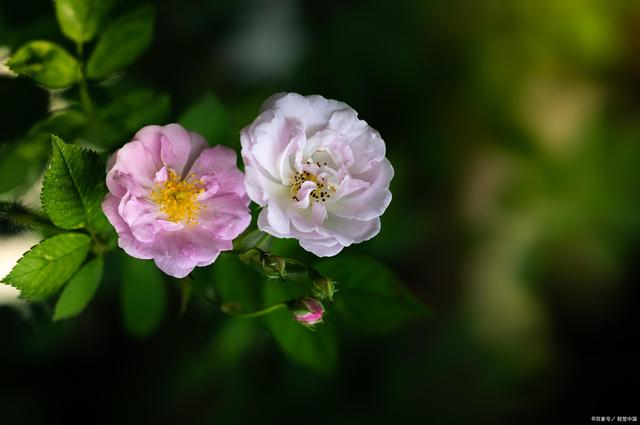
[514,130]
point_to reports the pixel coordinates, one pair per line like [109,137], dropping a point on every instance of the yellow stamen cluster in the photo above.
[322,192]
[178,198]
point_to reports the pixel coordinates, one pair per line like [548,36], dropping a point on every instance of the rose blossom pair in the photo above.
[318,171]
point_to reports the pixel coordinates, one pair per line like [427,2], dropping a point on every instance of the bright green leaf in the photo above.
[143,296]
[73,187]
[80,289]
[207,117]
[47,63]
[48,265]
[370,297]
[80,19]
[121,43]
[314,349]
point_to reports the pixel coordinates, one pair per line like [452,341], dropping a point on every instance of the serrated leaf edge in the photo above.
[55,140]
[31,271]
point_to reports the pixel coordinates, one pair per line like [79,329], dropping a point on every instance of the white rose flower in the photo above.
[319,172]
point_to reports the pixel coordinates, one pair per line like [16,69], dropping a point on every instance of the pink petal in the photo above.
[370,202]
[368,148]
[321,249]
[303,194]
[321,110]
[319,213]
[221,161]
[140,214]
[126,241]
[133,160]
[171,259]
[349,231]
[269,139]
[260,187]
[225,216]
[292,105]
[179,148]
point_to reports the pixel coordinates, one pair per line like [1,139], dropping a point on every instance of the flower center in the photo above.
[322,192]
[178,198]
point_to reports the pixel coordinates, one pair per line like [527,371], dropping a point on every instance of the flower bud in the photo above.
[307,311]
[271,266]
[323,287]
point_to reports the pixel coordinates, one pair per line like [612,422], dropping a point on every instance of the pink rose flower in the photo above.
[319,171]
[307,311]
[175,200]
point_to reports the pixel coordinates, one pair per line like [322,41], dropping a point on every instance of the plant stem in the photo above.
[85,98]
[24,217]
[230,309]
[264,238]
[257,313]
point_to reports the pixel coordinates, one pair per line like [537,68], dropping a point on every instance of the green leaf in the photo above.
[80,20]
[47,63]
[121,43]
[48,265]
[143,296]
[315,349]
[73,187]
[209,118]
[80,289]
[370,297]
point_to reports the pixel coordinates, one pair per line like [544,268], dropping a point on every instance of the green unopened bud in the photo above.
[273,266]
[323,287]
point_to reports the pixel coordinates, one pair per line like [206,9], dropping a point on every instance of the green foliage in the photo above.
[67,124]
[234,339]
[370,297]
[47,63]
[122,42]
[19,217]
[80,20]
[73,188]
[80,289]
[131,110]
[316,349]
[48,265]
[21,163]
[236,284]
[143,296]
[209,118]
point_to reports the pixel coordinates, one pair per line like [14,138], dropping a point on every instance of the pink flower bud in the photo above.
[307,311]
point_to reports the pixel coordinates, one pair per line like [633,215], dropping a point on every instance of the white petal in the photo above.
[370,202]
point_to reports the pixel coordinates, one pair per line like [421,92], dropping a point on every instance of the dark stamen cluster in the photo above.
[320,193]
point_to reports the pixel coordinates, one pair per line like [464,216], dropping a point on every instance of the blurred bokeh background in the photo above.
[514,130]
